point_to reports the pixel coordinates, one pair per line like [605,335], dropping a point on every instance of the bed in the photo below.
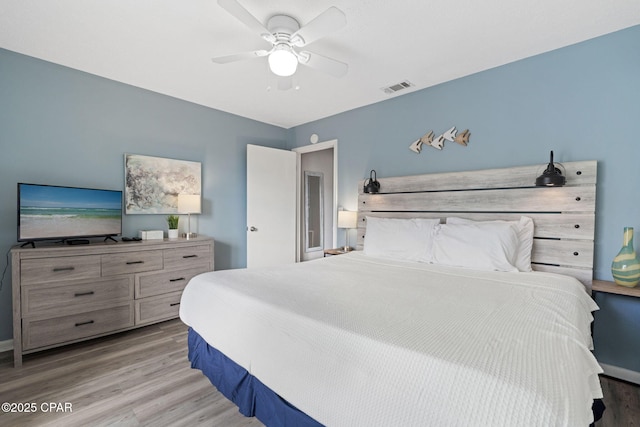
[378,337]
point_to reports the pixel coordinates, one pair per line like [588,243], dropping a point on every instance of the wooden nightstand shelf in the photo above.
[612,288]
[337,251]
[615,330]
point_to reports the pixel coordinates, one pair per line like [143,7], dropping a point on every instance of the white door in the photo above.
[271,206]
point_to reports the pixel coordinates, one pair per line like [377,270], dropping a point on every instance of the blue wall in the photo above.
[582,101]
[65,127]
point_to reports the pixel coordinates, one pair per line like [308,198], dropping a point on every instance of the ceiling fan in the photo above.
[286,36]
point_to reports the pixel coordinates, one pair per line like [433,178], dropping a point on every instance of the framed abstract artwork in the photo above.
[152,184]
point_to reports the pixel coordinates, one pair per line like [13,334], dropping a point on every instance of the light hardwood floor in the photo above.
[143,378]
[137,378]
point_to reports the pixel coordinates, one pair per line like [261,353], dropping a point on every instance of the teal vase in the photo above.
[625,266]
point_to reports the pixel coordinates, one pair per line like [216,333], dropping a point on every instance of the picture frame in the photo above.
[152,184]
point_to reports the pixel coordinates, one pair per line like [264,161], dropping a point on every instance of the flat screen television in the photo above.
[50,212]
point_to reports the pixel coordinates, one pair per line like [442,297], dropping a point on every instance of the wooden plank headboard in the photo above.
[564,217]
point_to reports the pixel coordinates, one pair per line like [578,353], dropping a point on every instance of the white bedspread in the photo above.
[359,341]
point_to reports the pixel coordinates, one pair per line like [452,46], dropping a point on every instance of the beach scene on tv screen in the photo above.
[52,212]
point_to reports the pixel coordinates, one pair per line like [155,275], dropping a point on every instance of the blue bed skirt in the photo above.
[253,398]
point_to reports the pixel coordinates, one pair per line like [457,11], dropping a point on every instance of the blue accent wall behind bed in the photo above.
[582,101]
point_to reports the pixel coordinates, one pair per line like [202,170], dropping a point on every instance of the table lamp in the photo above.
[189,204]
[347,220]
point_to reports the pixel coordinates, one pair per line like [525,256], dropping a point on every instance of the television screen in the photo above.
[53,212]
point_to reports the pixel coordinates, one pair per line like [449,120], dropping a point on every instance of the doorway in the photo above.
[317,199]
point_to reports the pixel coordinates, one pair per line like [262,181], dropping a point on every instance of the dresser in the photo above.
[64,294]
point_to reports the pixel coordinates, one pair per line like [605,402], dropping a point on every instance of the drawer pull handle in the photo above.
[57,269]
[190,256]
[84,323]
[176,280]
[174,304]
[135,262]
[81,294]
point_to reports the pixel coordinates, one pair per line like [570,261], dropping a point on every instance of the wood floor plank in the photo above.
[143,378]
[622,400]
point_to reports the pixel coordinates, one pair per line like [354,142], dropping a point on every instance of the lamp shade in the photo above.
[189,203]
[347,219]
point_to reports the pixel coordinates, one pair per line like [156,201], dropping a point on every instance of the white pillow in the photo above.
[406,239]
[490,246]
[524,227]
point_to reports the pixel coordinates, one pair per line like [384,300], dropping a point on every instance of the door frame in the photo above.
[325,145]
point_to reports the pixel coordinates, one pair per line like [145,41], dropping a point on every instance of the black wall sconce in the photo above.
[552,176]
[372,185]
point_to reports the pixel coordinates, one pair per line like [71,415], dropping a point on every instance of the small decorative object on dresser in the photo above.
[66,294]
[172,221]
[151,234]
[625,267]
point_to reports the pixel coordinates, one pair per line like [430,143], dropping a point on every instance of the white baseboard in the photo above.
[6,345]
[621,373]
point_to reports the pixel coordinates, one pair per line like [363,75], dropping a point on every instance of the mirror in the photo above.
[313,211]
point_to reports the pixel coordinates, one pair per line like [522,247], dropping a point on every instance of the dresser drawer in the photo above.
[150,284]
[64,295]
[57,269]
[161,307]
[187,257]
[131,262]
[41,333]
[72,296]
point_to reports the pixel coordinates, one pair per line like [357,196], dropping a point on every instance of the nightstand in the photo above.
[338,251]
[615,330]
[613,288]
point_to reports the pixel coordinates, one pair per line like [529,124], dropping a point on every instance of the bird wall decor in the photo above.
[438,142]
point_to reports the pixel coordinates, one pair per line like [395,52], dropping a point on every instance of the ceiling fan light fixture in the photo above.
[285,35]
[282,61]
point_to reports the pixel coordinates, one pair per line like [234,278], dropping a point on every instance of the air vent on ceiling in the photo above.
[398,87]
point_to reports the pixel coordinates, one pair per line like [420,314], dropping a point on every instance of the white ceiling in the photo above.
[166,45]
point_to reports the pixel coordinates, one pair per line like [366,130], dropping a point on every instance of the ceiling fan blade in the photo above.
[244,16]
[239,56]
[323,63]
[327,22]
